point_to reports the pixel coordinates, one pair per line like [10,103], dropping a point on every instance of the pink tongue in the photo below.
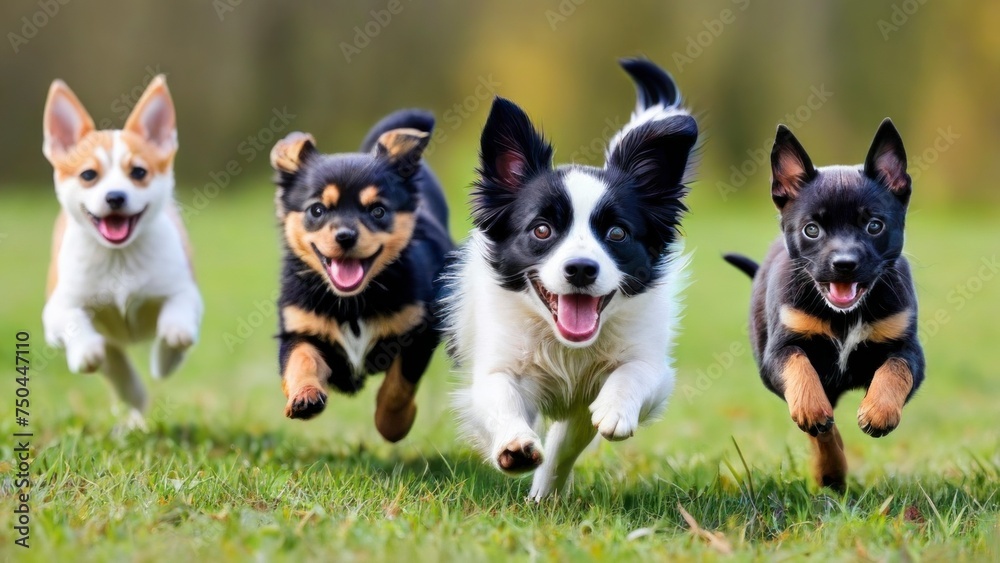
[115,228]
[843,292]
[346,273]
[577,315]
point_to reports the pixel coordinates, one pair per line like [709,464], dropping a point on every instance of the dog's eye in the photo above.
[542,231]
[378,212]
[616,234]
[88,175]
[811,230]
[875,227]
[137,173]
[317,210]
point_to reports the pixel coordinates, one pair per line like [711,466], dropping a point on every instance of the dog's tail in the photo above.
[744,264]
[653,85]
[418,119]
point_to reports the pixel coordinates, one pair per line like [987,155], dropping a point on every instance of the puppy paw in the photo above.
[171,344]
[133,421]
[519,456]
[306,403]
[394,425]
[815,417]
[612,421]
[878,417]
[85,354]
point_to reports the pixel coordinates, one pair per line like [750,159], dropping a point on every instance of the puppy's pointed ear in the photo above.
[153,118]
[886,161]
[290,153]
[790,167]
[403,148]
[65,122]
[655,157]
[511,153]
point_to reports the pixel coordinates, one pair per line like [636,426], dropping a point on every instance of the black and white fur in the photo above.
[506,291]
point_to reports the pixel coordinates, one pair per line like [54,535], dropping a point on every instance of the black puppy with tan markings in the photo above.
[365,238]
[833,305]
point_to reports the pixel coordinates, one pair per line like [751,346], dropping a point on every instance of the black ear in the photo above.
[790,167]
[886,161]
[512,152]
[403,148]
[654,157]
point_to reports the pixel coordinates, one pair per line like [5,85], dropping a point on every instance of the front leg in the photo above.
[304,373]
[563,444]
[498,414]
[69,326]
[632,393]
[176,330]
[882,406]
[808,404]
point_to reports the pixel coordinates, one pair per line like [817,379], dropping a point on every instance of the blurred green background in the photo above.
[246,73]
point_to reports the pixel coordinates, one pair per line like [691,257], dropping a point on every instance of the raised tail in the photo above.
[418,119]
[744,264]
[653,85]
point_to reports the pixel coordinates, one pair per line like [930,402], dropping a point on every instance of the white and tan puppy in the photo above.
[121,269]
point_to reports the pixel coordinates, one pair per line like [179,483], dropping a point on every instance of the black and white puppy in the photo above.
[833,304]
[565,300]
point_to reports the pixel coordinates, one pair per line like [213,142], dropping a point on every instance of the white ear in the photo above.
[65,121]
[153,117]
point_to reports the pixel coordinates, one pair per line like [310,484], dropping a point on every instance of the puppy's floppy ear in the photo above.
[153,118]
[511,153]
[790,167]
[65,121]
[886,161]
[403,148]
[290,153]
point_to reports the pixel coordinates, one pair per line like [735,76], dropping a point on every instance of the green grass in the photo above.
[222,475]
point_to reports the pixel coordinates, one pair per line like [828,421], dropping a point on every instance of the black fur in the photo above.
[410,279]
[844,203]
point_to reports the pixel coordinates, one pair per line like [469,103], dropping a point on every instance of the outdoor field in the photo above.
[222,475]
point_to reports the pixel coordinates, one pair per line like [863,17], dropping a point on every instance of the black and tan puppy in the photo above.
[833,305]
[365,237]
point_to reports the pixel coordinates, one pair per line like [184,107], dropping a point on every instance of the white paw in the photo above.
[85,354]
[168,351]
[612,420]
[133,421]
[544,486]
[520,455]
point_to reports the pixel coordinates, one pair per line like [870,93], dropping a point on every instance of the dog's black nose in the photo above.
[582,272]
[845,264]
[116,200]
[346,238]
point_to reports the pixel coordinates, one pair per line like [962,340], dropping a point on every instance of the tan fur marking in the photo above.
[401,322]
[82,156]
[807,402]
[398,143]
[175,217]
[829,463]
[803,323]
[286,154]
[297,320]
[304,377]
[144,155]
[58,232]
[392,243]
[331,195]
[368,196]
[882,407]
[395,409]
[892,327]
[300,241]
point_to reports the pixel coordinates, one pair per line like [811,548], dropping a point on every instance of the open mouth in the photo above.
[347,274]
[116,228]
[577,315]
[842,295]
